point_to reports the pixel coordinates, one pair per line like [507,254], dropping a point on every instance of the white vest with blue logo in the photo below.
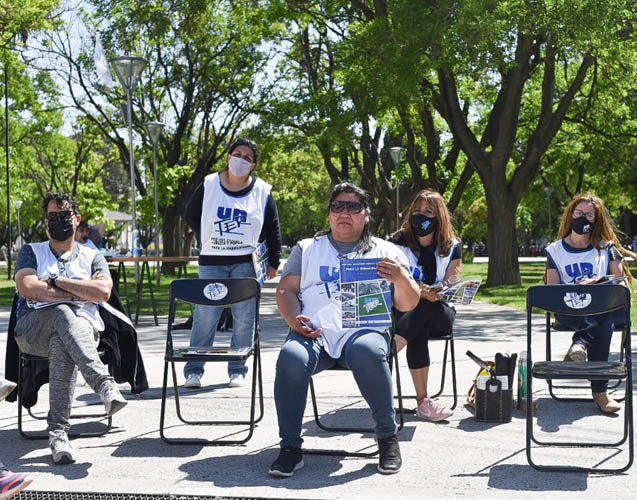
[231,225]
[320,294]
[442,264]
[575,265]
[79,268]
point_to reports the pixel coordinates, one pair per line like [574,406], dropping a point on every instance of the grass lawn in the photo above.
[513,296]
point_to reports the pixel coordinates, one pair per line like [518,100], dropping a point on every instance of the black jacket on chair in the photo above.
[118,341]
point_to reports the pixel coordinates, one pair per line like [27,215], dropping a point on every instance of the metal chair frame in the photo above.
[392,357]
[192,291]
[26,359]
[551,385]
[592,299]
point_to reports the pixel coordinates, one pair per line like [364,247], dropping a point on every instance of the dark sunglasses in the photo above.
[353,207]
[62,215]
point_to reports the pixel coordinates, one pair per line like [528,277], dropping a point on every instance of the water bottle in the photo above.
[522,389]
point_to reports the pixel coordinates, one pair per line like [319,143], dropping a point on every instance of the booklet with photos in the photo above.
[462,292]
[365,296]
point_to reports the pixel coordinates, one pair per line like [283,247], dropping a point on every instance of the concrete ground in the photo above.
[456,458]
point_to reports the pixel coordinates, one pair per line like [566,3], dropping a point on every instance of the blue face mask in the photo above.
[422,225]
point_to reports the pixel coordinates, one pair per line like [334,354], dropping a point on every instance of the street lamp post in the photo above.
[128,70]
[18,205]
[154,130]
[549,191]
[396,154]
[6,150]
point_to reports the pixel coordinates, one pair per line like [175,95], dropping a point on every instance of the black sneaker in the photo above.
[389,461]
[289,460]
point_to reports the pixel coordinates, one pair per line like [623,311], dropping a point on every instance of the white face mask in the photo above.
[239,167]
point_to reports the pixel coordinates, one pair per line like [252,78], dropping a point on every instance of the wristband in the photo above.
[52,281]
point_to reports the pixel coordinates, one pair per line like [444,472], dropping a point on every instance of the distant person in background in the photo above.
[231,212]
[586,250]
[11,483]
[435,258]
[81,235]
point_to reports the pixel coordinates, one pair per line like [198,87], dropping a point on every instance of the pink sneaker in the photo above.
[432,410]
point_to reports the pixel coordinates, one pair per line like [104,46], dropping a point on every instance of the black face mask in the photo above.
[581,225]
[61,229]
[423,225]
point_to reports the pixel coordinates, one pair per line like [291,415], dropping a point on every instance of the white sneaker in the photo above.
[193,381]
[61,449]
[237,380]
[112,398]
[6,386]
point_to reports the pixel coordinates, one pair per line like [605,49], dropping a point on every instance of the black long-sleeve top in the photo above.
[270,232]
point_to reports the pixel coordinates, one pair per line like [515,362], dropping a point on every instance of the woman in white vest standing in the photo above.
[435,257]
[232,212]
[586,250]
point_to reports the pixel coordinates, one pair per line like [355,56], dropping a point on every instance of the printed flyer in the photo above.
[461,293]
[260,261]
[365,296]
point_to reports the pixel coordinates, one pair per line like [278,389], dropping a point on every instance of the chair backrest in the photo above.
[578,300]
[214,292]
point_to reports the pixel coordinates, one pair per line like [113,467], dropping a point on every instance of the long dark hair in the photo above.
[444,236]
[365,243]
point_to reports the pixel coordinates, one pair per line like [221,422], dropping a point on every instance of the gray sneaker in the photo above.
[61,449]
[112,398]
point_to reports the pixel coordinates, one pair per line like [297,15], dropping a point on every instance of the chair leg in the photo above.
[36,435]
[257,384]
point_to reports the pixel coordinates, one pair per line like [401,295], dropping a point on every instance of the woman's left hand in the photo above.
[391,270]
[272,271]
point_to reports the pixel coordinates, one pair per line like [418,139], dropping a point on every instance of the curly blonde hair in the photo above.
[604,230]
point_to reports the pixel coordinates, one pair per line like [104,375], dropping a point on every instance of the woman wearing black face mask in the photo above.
[586,250]
[434,252]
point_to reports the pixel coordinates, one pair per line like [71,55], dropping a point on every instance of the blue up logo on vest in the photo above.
[417,273]
[579,271]
[329,276]
[231,220]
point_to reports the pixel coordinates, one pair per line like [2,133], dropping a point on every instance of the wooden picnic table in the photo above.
[145,276]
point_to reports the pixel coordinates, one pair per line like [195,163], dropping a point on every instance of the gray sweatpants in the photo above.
[70,342]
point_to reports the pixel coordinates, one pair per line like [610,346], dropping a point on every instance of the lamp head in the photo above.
[396,154]
[128,69]
[154,130]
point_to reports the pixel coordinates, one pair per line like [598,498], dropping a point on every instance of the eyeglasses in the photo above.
[590,216]
[353,207]
[61,215]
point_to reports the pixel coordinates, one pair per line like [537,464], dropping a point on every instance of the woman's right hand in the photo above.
[427,292]
[303,325]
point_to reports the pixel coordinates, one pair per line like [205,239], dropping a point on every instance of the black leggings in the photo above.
[428,320]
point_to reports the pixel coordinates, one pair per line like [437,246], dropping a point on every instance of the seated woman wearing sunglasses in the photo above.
[435,257]
[586,250]
[308,297]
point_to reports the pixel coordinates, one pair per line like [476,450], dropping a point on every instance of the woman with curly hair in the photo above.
[587,249]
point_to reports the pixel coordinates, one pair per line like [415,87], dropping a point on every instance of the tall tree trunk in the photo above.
[504,268]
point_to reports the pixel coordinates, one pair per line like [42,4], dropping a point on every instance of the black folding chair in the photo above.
[449,350]
[392,358]
[578,300]
[27,361]
[557,326]
[212,292]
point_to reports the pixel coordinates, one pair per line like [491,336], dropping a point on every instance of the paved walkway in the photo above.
[458,458]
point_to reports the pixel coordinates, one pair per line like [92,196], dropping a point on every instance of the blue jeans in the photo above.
[206,318]
[595,333]
[365,354]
